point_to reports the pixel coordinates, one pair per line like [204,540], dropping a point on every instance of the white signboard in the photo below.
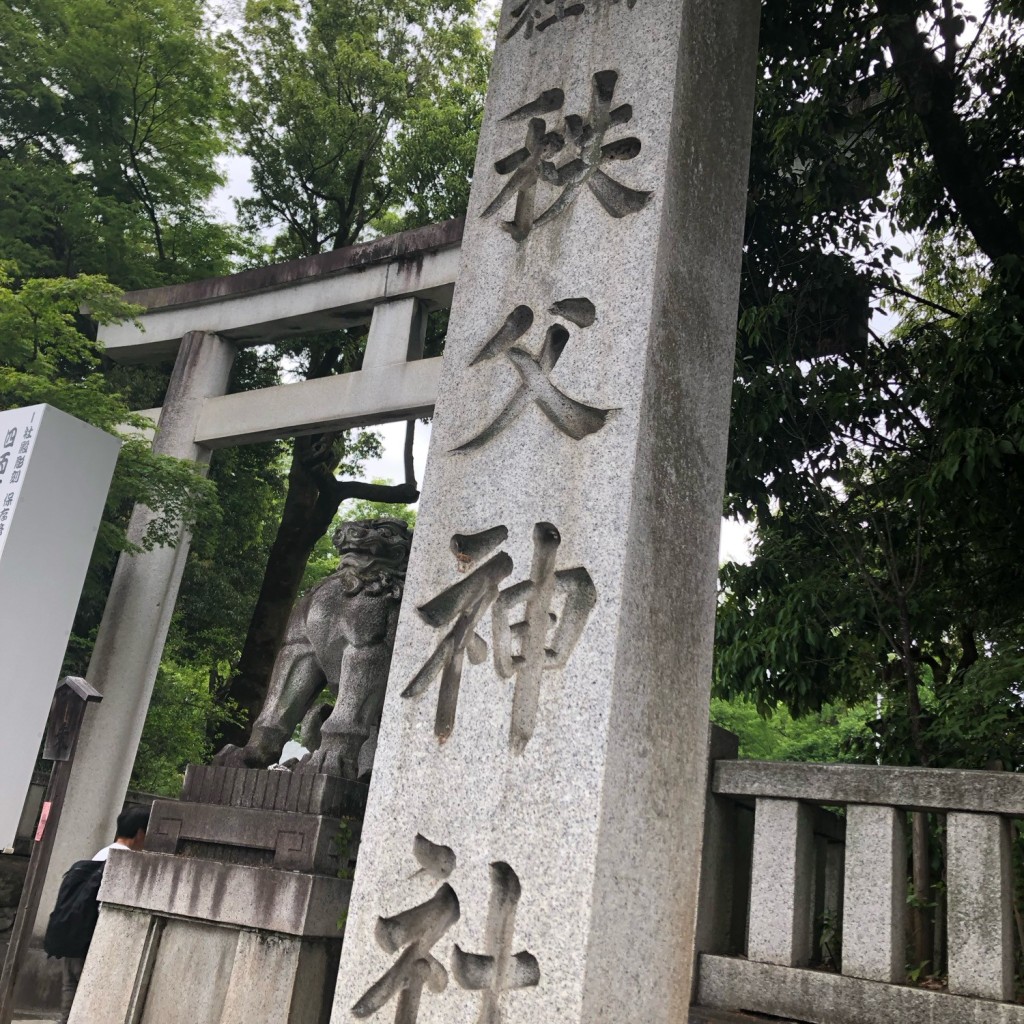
[54,475]
[17,429]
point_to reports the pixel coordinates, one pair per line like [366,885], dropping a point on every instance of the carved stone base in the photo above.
[235,835]
[274,790]
[234,912]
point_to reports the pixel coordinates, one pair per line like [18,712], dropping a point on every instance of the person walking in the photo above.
[73,921]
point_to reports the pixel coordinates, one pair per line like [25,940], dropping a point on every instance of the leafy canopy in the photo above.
[110,127]
[881,460]
[356,114]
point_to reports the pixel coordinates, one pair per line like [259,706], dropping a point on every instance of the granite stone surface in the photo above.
[107,988]
[531,847]
[782,883]
[396,334]
[980,905]
[875,903]
[821,997]
[274,790]
[186,979]
[198,943]
[288,902]
[280,980]
[938,789]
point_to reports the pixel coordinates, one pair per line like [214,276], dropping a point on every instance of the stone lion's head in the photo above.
[374,555]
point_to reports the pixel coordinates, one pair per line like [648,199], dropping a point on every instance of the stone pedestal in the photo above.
[234,912]
[531,850]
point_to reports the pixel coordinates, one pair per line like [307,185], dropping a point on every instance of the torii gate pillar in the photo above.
[134,627]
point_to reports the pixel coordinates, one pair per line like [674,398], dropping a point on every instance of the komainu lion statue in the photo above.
[340,635]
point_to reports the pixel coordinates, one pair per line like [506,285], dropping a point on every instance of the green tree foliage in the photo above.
[835,733]
[182,715]
[44,357]
[360,508]
[891,570]
[883,468]
[112,120]
[357,114]
[110,126]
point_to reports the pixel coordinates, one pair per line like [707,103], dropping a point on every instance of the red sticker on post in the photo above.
[44,814]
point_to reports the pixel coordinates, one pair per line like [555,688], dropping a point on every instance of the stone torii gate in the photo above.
[391,284]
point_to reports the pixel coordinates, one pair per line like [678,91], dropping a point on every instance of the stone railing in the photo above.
[804,912]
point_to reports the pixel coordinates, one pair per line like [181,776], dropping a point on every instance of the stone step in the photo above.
[706,1015]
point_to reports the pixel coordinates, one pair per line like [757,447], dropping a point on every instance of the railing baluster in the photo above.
[780,892]
[875,902]
[980,908]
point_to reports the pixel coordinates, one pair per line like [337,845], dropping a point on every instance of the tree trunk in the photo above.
[921,918]
[921,912]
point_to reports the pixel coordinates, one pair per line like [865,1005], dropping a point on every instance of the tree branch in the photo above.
[389,493]
[931,89]
[893,290]
[947,26]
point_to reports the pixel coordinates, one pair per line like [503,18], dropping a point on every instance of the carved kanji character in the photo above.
[498,970]
[585,139]
[555,603]
[463,605]
[527,165]
[537,15]
[531,16]
[593,153]
[574,419]
[418,930]
[555,606]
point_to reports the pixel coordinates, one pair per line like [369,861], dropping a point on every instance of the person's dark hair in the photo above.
[130,822]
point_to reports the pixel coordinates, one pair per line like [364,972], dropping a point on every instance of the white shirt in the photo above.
[105,852]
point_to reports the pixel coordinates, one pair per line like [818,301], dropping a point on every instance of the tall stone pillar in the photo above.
[133,630]
[531,851]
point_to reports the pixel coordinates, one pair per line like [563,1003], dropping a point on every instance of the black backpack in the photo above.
[74,917]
